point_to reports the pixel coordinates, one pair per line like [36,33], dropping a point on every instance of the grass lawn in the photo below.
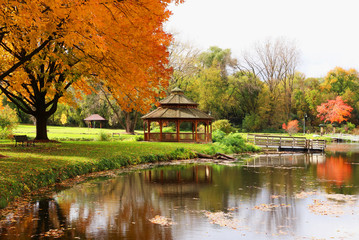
[74,133]
[24,169]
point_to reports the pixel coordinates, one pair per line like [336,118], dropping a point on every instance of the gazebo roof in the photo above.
[94,117]
[177,113]
[177,106]
[177,98]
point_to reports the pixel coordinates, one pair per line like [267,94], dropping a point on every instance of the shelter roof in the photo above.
[177,98]
[94,117]
[177,106]
[177,113]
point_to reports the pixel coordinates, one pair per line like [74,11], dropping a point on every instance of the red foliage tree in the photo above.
[334,111]
[291,127]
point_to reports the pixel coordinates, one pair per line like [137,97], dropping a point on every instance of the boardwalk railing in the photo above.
[182,137]
[287,143]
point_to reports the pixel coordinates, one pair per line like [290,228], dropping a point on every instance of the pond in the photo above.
[283,196]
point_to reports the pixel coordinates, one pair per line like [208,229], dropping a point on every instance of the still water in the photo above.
[287,196]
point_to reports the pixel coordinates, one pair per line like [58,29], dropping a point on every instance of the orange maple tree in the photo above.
[334,111]
[51,50]
[291,127]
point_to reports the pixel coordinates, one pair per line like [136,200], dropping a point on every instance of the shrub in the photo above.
[139,138]
[8,121]
[350,125]
[224,125]
[218,135]
[102,136]
[232,143]
[291,127]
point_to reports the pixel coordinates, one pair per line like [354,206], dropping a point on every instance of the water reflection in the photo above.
[261,196]
[335,169]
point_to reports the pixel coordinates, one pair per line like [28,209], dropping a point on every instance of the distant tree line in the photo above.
[263,89]
[259,91]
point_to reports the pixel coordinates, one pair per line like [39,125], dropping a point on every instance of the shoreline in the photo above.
[17,208]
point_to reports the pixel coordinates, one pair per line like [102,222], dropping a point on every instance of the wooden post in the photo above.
[178,130]
[161,130]
[144,130]
[195,128]
[205,131]
[149,130]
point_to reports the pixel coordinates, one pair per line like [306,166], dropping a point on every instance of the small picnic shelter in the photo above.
[177,108]
[92,119]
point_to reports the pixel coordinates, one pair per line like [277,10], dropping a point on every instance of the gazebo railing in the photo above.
[183,137]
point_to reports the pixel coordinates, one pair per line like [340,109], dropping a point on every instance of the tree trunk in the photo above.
[130,128]
[41,127]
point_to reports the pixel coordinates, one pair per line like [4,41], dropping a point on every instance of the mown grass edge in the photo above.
[49,176]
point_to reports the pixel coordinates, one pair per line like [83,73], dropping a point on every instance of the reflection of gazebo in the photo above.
[178,109]
[93,118]
[186,182]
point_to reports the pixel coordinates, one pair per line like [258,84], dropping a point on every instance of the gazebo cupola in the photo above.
[178,108]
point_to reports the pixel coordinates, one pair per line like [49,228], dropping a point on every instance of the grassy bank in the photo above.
[23,169]
[74,133]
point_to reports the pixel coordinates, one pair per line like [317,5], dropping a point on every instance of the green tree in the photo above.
[8,121]
[339,80]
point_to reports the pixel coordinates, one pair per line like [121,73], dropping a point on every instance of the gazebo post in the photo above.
[205,131]
[161,130]
[149,130]
[178,130]
[195,128]
[144,130]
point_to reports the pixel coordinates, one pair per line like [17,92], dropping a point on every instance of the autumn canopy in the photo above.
[53,49]
[334,111]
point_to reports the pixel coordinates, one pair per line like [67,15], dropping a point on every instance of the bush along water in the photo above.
[35,179]
[231,143]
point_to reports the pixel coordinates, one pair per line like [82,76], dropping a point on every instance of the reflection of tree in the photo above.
[43,215]
[116,209]
[279,190]
[335,170]
[110,209]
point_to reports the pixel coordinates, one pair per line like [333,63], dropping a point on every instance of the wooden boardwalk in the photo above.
[287,143]
[345,138]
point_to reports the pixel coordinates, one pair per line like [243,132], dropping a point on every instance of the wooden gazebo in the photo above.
[92,119]
[178,108]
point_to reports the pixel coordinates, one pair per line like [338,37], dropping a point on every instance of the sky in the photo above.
[326,32]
